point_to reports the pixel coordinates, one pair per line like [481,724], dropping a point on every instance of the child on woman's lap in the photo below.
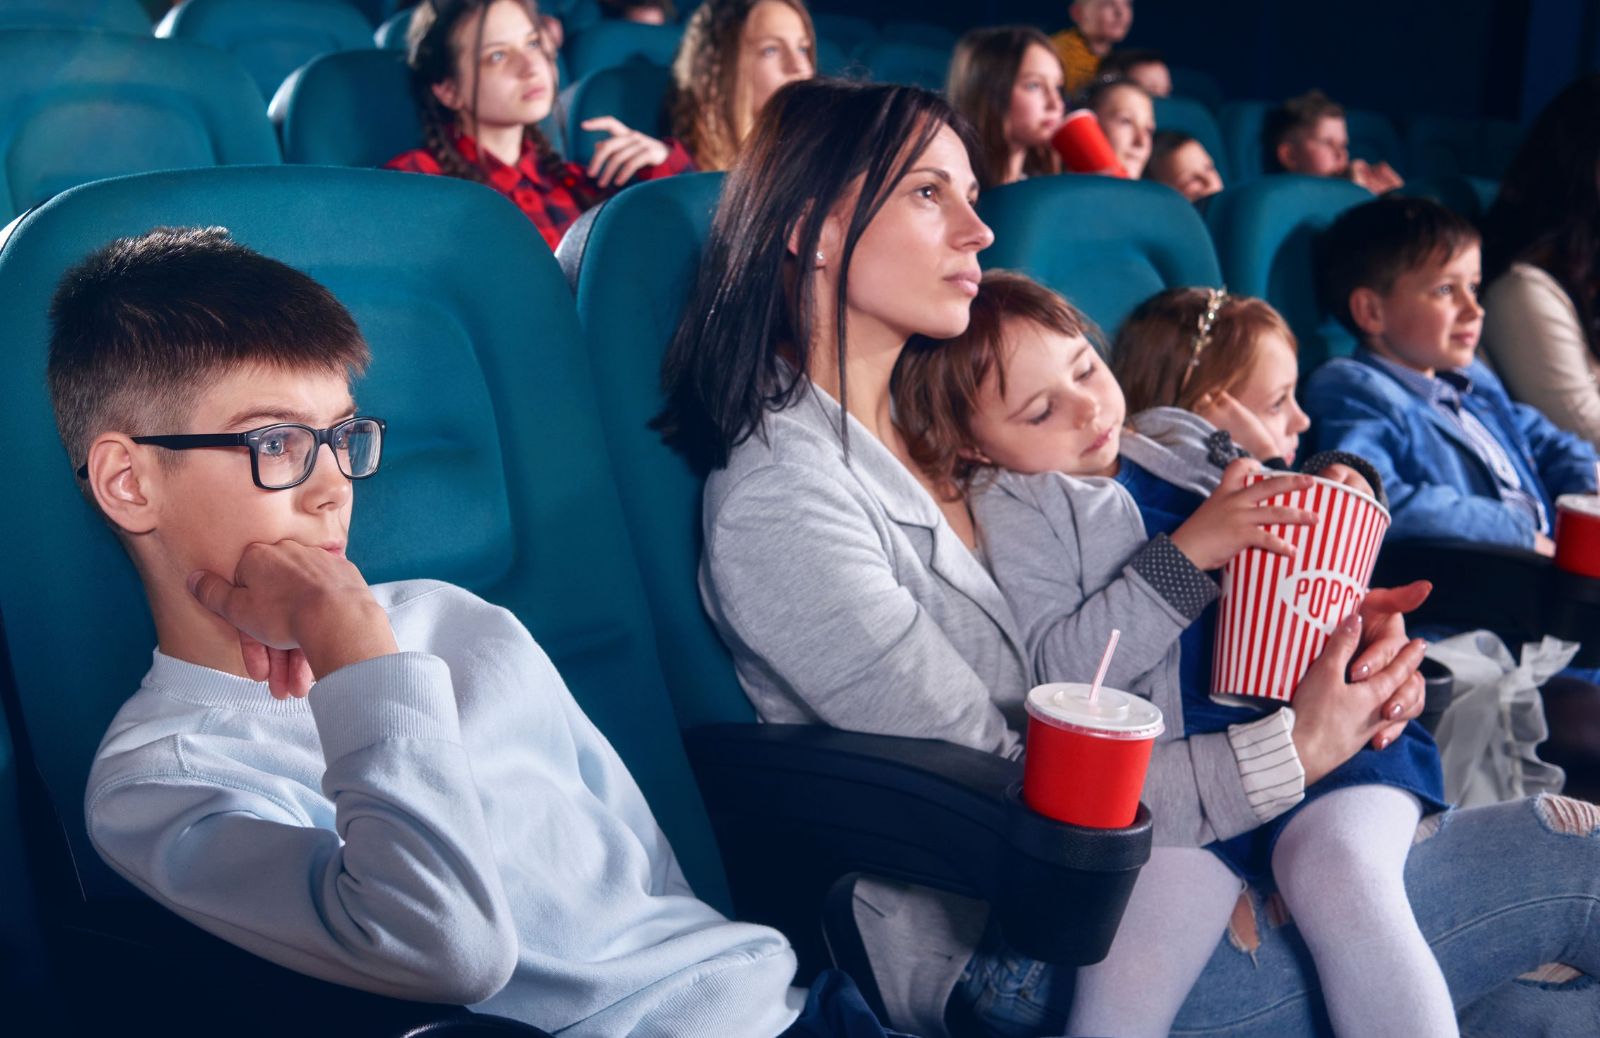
[1022,411]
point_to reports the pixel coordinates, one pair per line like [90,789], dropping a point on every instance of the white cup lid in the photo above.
[1113,715]
[1583,504]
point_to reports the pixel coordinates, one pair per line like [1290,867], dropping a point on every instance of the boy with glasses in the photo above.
[386,787]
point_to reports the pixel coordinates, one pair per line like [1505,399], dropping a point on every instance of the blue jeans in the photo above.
[1498,891]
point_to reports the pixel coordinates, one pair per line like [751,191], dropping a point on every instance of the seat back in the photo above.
[1263,232]
[912,64]
[925,33]
[1374,138]
[1195,119]
[634,92]
[1105,243]
[1440,146]
[79,105]
[495,475]
[1241,123]
[271,38]
[1468,196]
[848,32]
[1197,85]
[350,108]
[391,35]
[113,15]
[22,960]
[611,42]
[633,281]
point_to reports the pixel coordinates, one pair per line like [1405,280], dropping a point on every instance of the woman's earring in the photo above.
[821,259]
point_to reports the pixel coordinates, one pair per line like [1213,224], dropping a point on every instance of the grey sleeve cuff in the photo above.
[1168,570]
[1322,459]
[1274,779]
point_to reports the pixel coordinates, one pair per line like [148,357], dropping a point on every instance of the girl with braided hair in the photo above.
[483,80]
[734,55]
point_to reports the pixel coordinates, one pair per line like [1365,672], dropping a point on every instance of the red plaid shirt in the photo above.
[552,206]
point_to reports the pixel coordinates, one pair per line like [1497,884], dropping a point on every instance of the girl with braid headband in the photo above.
[483,79]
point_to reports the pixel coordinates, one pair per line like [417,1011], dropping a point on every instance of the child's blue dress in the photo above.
[1411,762]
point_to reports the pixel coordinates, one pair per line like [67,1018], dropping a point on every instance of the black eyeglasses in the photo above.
[284,456]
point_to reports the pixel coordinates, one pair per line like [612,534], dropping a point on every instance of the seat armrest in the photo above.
[1505,590]
[797,807]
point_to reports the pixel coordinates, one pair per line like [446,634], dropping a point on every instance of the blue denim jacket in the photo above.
[1438,485]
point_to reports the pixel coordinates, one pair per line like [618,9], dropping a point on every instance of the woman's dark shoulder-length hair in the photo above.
[1548,209]
[745,339]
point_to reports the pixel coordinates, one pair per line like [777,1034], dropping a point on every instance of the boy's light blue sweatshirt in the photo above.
[443,824]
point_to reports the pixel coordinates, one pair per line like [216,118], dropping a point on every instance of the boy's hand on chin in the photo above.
[301,614]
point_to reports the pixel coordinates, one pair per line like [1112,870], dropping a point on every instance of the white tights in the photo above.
[1339,864]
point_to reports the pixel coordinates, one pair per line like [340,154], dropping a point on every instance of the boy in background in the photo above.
[1097,26]
[1308,134]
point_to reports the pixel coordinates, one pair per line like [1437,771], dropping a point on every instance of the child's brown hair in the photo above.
[1186,343]
[937,382]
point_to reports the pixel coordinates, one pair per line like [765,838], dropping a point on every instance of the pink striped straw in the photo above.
[1105,665]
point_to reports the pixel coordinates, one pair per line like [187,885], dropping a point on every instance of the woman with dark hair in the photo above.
[734,55]
[1541,261]
[1007,82]
[853,593]
[483,80]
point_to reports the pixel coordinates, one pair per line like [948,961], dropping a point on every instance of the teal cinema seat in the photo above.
[350,108]
[77,106]
[112,15]
[1105,243]
[24,973]
[391,33]
[914,64]
[800,811]
[1263,232]
[271,38]
[850,33]
[634,92]
[495,478]
[1196,119]
[608,43]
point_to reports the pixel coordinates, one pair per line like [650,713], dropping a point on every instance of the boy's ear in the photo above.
[448,93]
[1284,150]
[1366,310]
[124,482]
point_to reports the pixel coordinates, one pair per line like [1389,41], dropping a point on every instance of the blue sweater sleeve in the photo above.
[1348,416]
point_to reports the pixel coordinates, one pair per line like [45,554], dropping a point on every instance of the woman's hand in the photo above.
[1222,410]
[1383,637]
[1234,518]
[623,154]
[1335,718]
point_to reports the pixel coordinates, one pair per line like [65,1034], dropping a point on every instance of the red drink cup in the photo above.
[1083,147]
[1277,613]
[1578,534]
[1086,761]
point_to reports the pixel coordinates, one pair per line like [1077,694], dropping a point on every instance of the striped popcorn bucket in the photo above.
[1277,613]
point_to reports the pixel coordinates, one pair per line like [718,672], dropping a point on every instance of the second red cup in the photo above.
[1578,534]
[1083,147]
[1086,760]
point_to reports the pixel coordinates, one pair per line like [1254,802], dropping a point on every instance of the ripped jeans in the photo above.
[1498,891]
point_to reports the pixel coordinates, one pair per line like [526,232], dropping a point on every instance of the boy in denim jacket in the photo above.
[1460,460]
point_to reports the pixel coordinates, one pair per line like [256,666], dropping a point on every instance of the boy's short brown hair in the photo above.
[1167,355]
[142,326]
[1296,115]
[1371,245]
[937,382]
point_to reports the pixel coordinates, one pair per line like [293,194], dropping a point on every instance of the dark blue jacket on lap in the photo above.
[1439,486]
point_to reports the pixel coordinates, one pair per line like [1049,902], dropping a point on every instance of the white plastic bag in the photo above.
[1495,719]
